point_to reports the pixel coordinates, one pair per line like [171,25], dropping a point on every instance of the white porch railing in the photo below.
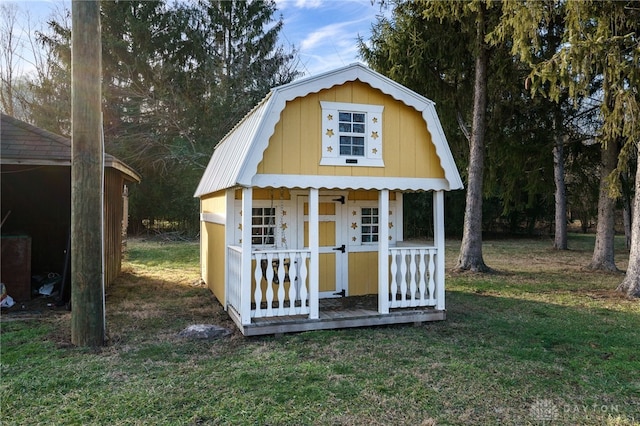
[282,287]
[234,292]
[413,277]
[281,282]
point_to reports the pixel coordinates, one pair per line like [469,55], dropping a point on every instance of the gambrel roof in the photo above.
[24,144]
[235,160]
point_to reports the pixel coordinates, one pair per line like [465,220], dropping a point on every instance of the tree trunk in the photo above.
[470,258]
[627,218]
[87,287]
[560,236]
[631,283]
[603,252]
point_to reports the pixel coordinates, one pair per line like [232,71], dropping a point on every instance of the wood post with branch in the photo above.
[87,286]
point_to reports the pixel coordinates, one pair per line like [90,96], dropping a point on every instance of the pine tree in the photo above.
[176,79]
[599,50]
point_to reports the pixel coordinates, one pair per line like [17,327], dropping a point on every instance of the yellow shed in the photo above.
[301,207]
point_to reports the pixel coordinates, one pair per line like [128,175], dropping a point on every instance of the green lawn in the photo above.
[541,341]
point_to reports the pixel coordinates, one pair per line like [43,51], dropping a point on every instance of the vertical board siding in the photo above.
[215,256]
[214,203]
[213,248]
[267,194]
[294,147]
[363,273]
[113,206]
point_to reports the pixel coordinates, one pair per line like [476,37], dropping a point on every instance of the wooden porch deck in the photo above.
[344,312]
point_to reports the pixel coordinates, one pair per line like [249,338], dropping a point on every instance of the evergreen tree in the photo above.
[600,50]
[49,103]
[176,80]
[435,57]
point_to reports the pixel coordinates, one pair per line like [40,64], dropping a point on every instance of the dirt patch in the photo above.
[36,308]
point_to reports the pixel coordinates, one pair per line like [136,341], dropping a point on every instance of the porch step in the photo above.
[335,319]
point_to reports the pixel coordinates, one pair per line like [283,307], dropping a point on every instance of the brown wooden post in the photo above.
[87,287]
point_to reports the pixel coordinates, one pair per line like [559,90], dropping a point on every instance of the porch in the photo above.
[281,295]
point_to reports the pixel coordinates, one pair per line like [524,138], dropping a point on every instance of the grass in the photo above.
[541,341]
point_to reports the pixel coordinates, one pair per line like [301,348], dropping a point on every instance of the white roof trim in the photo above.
[237,165]
[350,182]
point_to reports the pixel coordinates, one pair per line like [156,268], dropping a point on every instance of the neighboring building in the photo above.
[304,197]
[35,167]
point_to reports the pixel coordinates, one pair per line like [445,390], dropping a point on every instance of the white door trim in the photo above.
[340,218]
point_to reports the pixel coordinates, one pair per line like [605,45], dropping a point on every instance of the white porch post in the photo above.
[398,221]
[438,237]
[228,240]
[245,286]
[314,263]
[383,251]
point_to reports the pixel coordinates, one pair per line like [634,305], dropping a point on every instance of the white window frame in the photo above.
[331,135]
[355,225]
[372,224]
[266,227]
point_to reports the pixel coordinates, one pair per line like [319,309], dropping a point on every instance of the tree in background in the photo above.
[435,57]
[48,99]
[468,21]
[600,50]
[176,80]
[631,283]
[8,56]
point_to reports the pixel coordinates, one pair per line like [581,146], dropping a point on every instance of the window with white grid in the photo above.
[263,225]
[369,224]
[351,134]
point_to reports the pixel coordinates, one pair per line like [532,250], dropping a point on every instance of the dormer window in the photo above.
[351,134]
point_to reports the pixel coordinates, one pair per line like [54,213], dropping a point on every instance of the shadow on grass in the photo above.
[497,359]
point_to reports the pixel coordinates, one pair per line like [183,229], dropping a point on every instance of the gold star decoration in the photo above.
[375,119]
[329,132]
[390,238]
[283,226]
[240,241]
[374,135]
[353,213]
[353,238]
[284,212]
[354,225]
[240,212]
[330,117]
[390,225]
[390,212]
[374,151]
[329,148]
[240,226]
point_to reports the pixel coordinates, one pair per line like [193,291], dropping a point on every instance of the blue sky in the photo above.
[324,32]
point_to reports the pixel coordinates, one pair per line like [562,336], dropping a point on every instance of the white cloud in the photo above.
[308,4]
[339,33]
[299,4]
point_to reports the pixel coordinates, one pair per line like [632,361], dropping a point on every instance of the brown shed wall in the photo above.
[39,198]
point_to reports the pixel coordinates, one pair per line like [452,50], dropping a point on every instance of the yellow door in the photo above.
[332,249]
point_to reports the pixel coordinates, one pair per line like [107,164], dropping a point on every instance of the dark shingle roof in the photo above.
[23,143]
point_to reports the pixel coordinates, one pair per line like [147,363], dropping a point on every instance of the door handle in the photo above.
[342,248]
